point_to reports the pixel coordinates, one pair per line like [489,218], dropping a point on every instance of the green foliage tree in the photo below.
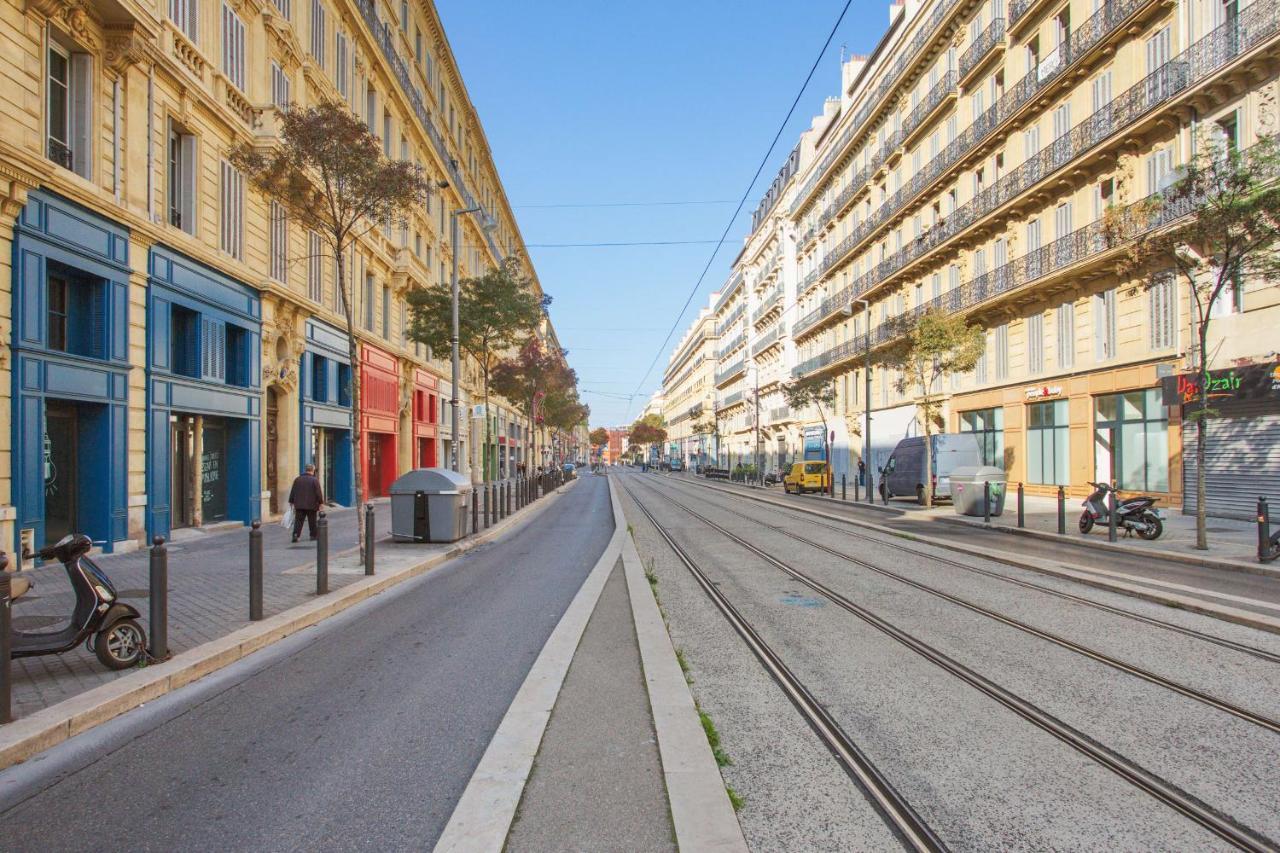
[650,429]
[819,392]
[935,344]
[709,425]
[1214,228]
[598,437]
[495,311]
[329,175]
[526,379]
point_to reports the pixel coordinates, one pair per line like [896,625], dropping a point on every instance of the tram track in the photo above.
[1161,789]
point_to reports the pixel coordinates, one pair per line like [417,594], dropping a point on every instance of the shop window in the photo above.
[344,385]
[987,425]
[69,117]
[1048,443]
[1131,440]
[184,341]
[75,314]
[319,379]
[238,357]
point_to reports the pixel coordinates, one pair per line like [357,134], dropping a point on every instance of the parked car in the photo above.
[807,477]
[676,465]
[903,474]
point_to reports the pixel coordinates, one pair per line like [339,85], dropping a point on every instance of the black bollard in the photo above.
[6,643]
[485,488]
[857,491]
[511,497]
[255,571]
[159,599]
[1062,512]
[844,491]
[369,533]
[986,502]
[1022,520]
[475,512]
[1265,554]
[1111,513]
[322,554]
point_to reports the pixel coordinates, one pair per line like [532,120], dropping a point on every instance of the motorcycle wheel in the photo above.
[120,646]
[1086,522]
[1154,528]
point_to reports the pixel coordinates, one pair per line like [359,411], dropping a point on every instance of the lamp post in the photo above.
[866,398]
[488,225]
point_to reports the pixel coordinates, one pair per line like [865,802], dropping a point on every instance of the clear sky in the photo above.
[603,103]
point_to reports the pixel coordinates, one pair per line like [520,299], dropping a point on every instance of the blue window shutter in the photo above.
[98,320]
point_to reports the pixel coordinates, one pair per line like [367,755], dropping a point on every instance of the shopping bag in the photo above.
[286,521]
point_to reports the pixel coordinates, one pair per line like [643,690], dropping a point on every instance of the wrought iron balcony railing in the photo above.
[982,46]
[731,371]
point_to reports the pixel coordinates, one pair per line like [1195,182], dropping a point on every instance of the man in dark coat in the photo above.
[306,497]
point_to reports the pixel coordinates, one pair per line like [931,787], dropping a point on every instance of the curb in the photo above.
[28,736]
[482,818]
[1079,574]
[701,814]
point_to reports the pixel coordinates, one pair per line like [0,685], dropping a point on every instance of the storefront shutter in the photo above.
[98,319]
[1242,458]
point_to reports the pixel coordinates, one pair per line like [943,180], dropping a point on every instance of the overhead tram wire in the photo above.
[622,204]
[742,202]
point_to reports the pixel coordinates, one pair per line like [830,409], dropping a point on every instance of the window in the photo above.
[279,238]
[1158,54]
[386,134]
[1104,325]
[1160,172]
[1131,440]
[232,233]
[1062,121]
[1230,299]
[315,268]
[417,45]
[1035,344]
[344,384]
[1002,351]
[182,179]
[213,349]
[69,115]
[987,425]
[184,341]
[233,47]
[1048,443]
[1102,91]
[236,370]
[285,8]
[75,313]
[368,301]
[279,87]
[341,75]
[1103,196]
[1227,135]
[185,13]
[1062,220]
[319,389]
[1066,335]
[980,369]
[371,108]
[386,312]
[404,15]
[1162,312]
[317,31]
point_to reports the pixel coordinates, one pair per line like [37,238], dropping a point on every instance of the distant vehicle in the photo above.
[676,465]
[774,477]
[903,474]
[807,477]
[568,467]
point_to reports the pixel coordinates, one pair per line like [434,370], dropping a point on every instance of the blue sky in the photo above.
[607,103]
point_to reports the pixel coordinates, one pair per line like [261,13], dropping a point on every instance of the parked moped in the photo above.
[1133,515]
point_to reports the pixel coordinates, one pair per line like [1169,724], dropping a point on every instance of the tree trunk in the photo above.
[928,454]
[353,352]
[488,432]
[1202,533]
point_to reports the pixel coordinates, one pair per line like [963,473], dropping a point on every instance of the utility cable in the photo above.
[622,204]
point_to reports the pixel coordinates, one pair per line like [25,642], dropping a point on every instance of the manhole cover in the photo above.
[32,623]
[134,593]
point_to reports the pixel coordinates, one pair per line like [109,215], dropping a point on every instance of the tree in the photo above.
[526,380]
[329,175]
[495,310]
[818,392]
[709,425]
[1217,225]
[936,344]
[599,437]
[648,430]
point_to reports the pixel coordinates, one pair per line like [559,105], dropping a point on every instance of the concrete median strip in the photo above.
[28,736]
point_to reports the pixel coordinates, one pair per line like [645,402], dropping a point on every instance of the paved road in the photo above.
[982,776]
[360,734]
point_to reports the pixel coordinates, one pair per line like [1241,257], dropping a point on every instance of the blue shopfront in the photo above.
[326,410]
[204,396]
[70,374]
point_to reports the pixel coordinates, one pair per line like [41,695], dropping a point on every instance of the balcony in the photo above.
[768,339]
[734,316]
[723,377]
[919,117]
[984,45]
[779,414]
[735,281]
[771,301]
[732,399]
[732,344]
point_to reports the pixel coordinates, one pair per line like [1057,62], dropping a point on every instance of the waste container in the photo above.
[429,505]
[966,489]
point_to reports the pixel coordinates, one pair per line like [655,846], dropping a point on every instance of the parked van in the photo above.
[807,477]
[903,474]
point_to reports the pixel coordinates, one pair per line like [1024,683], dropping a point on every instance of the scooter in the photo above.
[106,626]
[1134,515]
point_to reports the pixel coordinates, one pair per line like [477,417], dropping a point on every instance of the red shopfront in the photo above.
[379,418]
[426,415]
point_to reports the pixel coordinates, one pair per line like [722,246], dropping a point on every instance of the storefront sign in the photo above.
[1251,382]
[813,442]
[1041,391]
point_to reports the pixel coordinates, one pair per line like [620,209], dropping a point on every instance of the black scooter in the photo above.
[1134,515]
[106,626]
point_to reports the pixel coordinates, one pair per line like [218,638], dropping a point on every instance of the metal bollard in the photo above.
[844,491]
[475,512]
[159,599]
[1022,520]
[255,571]
[1062,512]
[1266,552]
[1111,514]
[511,497]
[370,547]
[6,643]
[485,489]
[504,506]
[322,554]
[986,501]
[857,491]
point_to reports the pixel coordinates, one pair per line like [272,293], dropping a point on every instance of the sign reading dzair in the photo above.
[1250,382]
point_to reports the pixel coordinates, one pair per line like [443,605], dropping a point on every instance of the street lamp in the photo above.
[487,224]
[866,398]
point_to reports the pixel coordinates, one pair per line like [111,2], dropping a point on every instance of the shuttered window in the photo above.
[341,62]
[233,47]
[317,31]
[232,197]
[213,349]
[1162,313]
[1104,325]
[1002,351]
[1066,335]
[185,13]
[279,242]
[315,267]
[1035,344]
[280,94]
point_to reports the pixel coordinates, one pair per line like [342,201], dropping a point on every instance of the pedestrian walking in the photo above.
[306,497]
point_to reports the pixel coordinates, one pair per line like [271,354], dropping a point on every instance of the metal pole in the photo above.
[475,512]
[485,488]
[1022,521]
[512,503]
[6,643]
[1062,512]
[866,400]
[369,545]
[1111,513]
[986,501]
[844,490]
[453,348]
[322,554]
[159,599]
[857,490]
[1264,531]
[255,571]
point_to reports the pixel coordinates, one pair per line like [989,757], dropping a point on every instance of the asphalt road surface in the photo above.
[360,733]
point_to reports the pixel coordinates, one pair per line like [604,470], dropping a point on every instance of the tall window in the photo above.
[232,197]
[1104,325]
[1048,443]
[1160,172]
[386,313]
[341,74]
[75,313]
[279,242]
[1131,440]
[233,47]
[280,97]
[1062,220]
[368,301]
[1002,351]
[315,267]
[987,425]
[980,369]
[317,31]
[182,179]
[1035,343]
[69,114]
[1162,312]
[1066,335]
[185,13]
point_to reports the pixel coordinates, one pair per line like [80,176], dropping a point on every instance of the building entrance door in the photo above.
[61,435]
[375,465]
[213,473]
[273,473]
[181,471]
